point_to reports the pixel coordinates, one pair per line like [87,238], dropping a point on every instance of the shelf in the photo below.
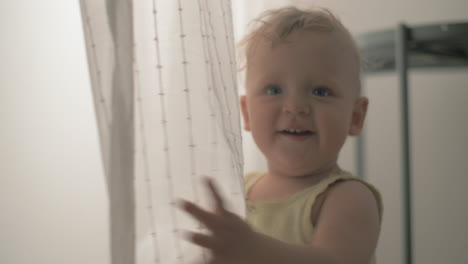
[429,46]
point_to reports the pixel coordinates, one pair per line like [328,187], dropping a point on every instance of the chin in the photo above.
[292,166]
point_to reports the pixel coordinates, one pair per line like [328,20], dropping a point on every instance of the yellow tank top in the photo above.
[288,219]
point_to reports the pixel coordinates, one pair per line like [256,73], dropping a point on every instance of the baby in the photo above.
[302,101]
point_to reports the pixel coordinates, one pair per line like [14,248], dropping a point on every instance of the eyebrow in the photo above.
[323,81]
[264,78]
[274,77]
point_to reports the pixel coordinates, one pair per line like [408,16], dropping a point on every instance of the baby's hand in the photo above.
[231,239]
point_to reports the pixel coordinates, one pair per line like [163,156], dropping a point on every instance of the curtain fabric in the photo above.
[163,76]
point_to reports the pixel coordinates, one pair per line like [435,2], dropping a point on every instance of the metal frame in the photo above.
[401,63]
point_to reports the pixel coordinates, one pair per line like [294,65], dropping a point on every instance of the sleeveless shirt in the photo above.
[289,218]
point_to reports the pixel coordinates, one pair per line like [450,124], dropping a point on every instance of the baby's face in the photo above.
[302,101]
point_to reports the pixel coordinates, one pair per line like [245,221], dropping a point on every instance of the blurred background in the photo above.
[53,202]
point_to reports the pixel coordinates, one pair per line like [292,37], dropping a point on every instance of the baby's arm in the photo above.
[346,232]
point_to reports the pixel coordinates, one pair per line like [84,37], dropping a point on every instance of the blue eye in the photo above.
[321,91]
[274,89]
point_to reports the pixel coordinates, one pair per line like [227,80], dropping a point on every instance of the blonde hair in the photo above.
[275,25]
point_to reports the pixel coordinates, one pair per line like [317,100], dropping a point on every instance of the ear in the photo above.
[359,115]
[245,112]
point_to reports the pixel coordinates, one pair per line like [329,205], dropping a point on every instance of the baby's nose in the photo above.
[297,106]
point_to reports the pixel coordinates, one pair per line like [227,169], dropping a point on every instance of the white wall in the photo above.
[53,204]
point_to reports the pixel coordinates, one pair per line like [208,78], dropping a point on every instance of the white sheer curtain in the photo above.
[164,80]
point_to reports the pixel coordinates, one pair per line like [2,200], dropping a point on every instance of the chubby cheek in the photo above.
[333,129]
[261,114]
[262,123]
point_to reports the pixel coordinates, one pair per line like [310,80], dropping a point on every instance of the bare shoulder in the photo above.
[348,223]
[354,190]
[352,199]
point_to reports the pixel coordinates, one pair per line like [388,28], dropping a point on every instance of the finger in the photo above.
[202,240]
[206,218]
[219,201]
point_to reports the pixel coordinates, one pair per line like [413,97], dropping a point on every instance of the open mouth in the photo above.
[296,132]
